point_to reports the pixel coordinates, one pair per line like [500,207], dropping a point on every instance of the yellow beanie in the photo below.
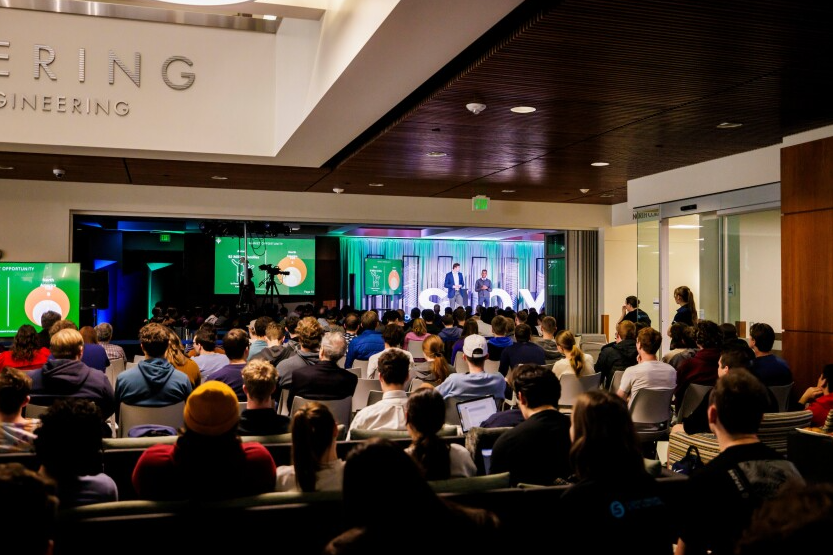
[212,409]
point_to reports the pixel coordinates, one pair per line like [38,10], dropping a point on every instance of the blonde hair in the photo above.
[66,343]
[418,327]
[433,347]
[567,341]
[260,379]
[175,354]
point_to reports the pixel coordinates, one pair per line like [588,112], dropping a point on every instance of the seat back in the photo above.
[694,395]
[593,381]
[782,394]
[284,397]
[138,358]
[492,367]
[452,417]
[34,411]
[355,371]
[363,387]
[651,406]
[374,396]
[242,406]
[362,364]
[415,348]
[132,415]
[342,409]
[592,338]
[593,349]
[616,380]
[570,389]
[117,366]
[460,364]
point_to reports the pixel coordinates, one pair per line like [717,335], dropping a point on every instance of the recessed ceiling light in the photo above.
[6,167]
[606,195]
[522,109]
[728,125]
[270,17]
[218,177]
[684,226]
[508,191]
[436,154]
[600,164]
[375,184]
[202,2]
[585,191]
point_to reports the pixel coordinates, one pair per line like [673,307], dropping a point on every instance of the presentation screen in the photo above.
[382,276]
[288,263]
[28,289]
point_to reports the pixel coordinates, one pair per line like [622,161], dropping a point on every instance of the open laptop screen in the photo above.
[474,411]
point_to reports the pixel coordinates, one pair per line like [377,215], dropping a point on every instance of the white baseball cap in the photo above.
[475,346]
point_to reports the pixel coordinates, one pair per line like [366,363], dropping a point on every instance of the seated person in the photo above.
[770,369]
[523,351]
[369,341]
[69,447]
[26,352]
[66,376]
[29,510]
[683,344]
[393,337]
[154,382]
[324,380]
[650,373]
[574,358]
[389,413]
[276,351]
[450,332]
[620,354]
[208,360]
[499,339]
[434,370]
[17,433]
[535,451]
[547,340]
[440,460]
[819,399]
[94,354]
[702,367]
[315,464]
[476,383]
[236,343]
[179,471]
[259,418]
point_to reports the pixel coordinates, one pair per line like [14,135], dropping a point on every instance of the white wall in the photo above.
[760,268]
[35,222]
[619,275]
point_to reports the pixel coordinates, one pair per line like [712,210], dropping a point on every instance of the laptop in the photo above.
[474,411]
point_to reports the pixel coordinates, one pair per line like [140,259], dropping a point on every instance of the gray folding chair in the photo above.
[782,394]
[117,366]
[342,409]
[616,380]
[694,395]
[132,415]
[415,348]
[364,386]
[651,414]
[362,364]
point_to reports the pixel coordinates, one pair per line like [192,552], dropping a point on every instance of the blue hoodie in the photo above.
[153,383]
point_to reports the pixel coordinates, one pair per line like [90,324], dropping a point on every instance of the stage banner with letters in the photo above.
[382,276]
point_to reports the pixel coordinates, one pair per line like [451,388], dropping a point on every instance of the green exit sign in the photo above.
[480,202]
[164,237]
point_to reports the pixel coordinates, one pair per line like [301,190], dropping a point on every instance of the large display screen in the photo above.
[28,289]
[382,276]
[282,266]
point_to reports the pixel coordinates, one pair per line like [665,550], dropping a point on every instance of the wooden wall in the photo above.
[807,259]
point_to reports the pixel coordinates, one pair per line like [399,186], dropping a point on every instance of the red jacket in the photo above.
[39,358]
[699,369]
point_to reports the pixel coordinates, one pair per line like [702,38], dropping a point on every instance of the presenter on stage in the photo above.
[483,286]
[454,283]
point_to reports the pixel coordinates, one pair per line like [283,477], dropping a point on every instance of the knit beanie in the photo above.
[212,409]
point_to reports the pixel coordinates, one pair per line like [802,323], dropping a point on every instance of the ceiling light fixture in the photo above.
[218,177]
[728,125]
[585,191]
[508,191]
[600,164]
[338,190]
[606,195]
[375,184]
[6,167]
[436,154]
[203,2]
[475,107]
[522,109]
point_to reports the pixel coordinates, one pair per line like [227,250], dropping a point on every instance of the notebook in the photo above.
[474,411]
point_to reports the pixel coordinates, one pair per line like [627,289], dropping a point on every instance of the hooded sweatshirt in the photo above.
[153,383]
[72,378]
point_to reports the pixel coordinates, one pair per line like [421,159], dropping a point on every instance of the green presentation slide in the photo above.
[28,289]
[293,258]
[382,276]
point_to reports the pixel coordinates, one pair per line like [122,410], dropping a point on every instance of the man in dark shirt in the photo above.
[368,343]
[722,496]
[259,418]
[236,344]
[326,379]
[499,340]
[770,369]
[619,355]
[535,451]
[522,351]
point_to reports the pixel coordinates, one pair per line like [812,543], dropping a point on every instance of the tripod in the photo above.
[272,290]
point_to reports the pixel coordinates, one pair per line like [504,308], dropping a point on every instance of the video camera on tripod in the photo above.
[272,270]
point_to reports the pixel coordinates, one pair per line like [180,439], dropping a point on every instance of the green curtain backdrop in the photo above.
[354,250]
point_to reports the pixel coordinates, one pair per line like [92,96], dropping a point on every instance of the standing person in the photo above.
[17,433]
[104,331]
[483,286]
[94,354]
[425,417]
[25,353]
[259,418]
[315,463]
[632,313]
[454,283]
[722,496]
[69,447]
[536,451]
[574,358]
[602,431]
[180,471]
[687,313]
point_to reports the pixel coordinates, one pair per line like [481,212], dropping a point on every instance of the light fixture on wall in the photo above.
[475,107]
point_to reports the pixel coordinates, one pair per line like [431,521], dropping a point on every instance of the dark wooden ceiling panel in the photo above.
[84,169]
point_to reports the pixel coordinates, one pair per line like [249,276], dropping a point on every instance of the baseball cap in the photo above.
[475,346]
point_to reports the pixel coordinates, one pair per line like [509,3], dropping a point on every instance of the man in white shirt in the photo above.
[394,336]
[649,373]
[389,413]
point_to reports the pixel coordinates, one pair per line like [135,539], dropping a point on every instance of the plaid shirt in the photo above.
[113,351]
